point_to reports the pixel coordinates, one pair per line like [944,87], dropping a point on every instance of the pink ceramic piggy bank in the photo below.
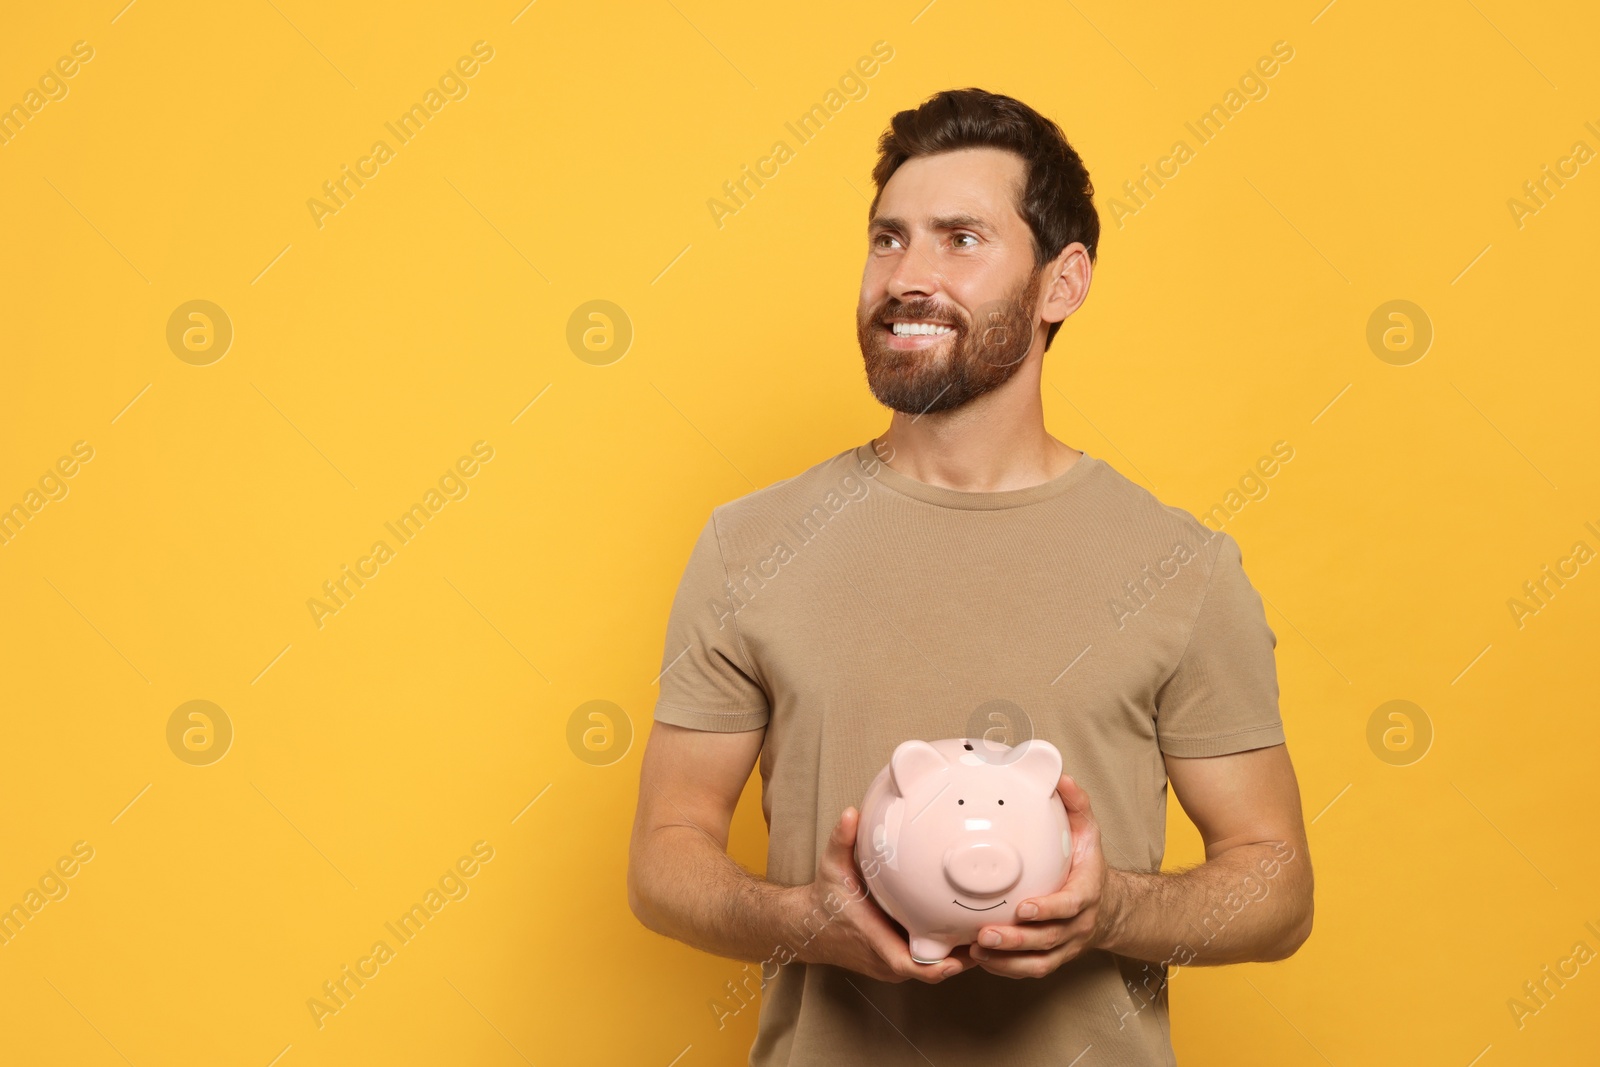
[955,834]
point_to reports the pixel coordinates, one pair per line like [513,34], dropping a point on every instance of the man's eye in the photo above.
[882,237]
[965,236]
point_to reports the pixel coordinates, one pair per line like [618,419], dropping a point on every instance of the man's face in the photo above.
[949,297]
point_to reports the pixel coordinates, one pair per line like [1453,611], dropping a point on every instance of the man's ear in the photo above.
[915,764]
[1066,281]
[1039,766]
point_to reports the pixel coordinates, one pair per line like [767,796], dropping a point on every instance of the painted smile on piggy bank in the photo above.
[942,851]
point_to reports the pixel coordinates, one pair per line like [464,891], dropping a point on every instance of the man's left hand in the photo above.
[1063,924]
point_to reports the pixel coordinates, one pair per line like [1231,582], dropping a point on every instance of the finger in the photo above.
[1074,797]
[934,973]
[1034,937]
[1056,907]
[1067,902]
[840,849]
[894,951]
[844,831]
[873,924]
[1026,964]
[898,955]
[961,955]
[873,921]
[931,973]
[1085,829]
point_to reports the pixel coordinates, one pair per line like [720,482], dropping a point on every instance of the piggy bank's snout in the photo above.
[983,868]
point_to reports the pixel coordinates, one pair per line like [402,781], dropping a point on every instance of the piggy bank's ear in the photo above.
[915,764]
[1039,766]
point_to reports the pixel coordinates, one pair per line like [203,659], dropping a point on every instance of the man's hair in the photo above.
[1057,199]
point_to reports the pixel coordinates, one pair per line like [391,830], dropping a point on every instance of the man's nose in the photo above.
[913,276]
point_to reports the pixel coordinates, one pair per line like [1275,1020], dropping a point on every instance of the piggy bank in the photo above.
[955,834]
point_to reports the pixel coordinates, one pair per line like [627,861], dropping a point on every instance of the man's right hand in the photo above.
[858,936]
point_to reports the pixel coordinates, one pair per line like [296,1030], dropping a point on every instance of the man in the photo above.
[963,575]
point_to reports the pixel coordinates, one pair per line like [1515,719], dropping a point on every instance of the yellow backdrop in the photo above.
[368,373]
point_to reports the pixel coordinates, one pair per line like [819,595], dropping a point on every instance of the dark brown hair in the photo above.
[1057,197]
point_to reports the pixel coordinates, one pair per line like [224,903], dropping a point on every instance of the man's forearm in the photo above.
[696,893]
[1251,903]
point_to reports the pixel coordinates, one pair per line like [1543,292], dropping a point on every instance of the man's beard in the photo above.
[978,357]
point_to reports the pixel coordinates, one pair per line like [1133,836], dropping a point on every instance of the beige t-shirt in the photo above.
[851,607]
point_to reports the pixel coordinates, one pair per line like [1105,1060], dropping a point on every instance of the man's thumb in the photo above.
[844,831]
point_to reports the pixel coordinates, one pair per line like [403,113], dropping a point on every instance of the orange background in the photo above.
[372,347]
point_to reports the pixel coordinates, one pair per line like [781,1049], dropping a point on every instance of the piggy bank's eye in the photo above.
[1002,802]
[961,802]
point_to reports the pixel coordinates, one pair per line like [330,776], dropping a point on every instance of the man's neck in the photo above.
[972,455]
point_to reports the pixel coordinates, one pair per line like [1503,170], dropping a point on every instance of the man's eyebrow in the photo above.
[942,222]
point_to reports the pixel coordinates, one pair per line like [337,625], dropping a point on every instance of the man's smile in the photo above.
[909,334]
[903,328]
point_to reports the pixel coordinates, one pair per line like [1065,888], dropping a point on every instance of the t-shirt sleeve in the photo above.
[1223,695]
[707,682]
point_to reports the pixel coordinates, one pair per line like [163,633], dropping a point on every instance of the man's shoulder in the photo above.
[829,484]
[1129,515]
[1144,519]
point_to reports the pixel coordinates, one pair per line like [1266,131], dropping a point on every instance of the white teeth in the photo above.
[914,329]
